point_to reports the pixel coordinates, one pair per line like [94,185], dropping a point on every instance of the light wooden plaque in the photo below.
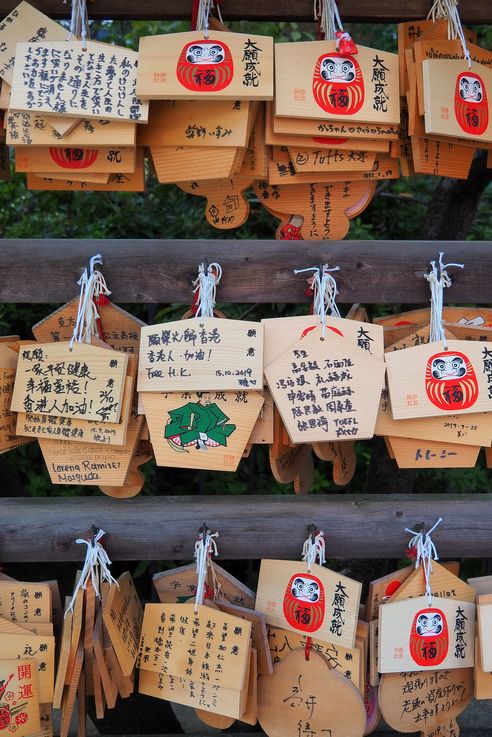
[109,71]
[413,453]
[313,80]
[41,648]
[321,603]
[416,636]
[331,159]
[58,159]
[35,129]
[226,204]
[337,129]
[122,615]
[178,585]
[226,66]
[21,695]
[178,164]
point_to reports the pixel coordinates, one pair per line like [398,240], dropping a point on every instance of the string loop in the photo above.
[323,287]
[448,9]
[93,289]
[426,552]
[96,566]
[205,288]
[205,547]
[79,22]
[331,27]
[438,279]
[314,548]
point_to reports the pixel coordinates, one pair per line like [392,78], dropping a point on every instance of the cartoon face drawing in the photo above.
[304,602]
[450,381]
[205,66]
[338,86]
[197,426]
[429,639]
[470,103]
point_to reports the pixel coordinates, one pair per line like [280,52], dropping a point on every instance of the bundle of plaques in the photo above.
[435,411]
[445,80]
[28,614]
[71,111]
[99,642]
[75,393]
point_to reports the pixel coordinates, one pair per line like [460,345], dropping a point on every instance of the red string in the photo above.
[194,14]
[100,301]
[307,649]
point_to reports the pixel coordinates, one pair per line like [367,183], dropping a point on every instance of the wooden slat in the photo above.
[471,11]
[164,528]
[254,271]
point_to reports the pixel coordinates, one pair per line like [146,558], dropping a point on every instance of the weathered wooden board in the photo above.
[35,129]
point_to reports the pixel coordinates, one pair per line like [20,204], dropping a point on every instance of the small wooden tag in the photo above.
[122,615]
[330,159]
[428,381]
[482,679]
[116,101]
[227,206]
[57,159]
[25,602]
[259,634]
[414,453]
[416,636]
[41,650]
[19,699]
[293,701]
[444,582]
[383,589]
[178,586]
[322,602]
[484,612]
[84,381]
[335,128]
[227,66]
[201,354]
[313,80]
[35,129]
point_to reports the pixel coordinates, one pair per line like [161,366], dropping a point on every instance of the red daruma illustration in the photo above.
[470,103]
[205,66]
[450,381]
[304,602]
[74,158]
[338,86]
[429,639]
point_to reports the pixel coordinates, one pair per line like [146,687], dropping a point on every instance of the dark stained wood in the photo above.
[471,11]
[164,528]
[254,271]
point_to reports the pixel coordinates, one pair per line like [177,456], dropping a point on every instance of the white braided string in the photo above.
[203,15]
[206,286]
[79,22]
[326,12]
[448,9]
[438,279]
[426,553]
[96,567]
[313,549]
[324,288]
[92,286]
[205,547]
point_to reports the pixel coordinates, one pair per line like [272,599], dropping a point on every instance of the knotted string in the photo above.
[201,14]
[92,289]
[331,26]
[438,279]
[324,289]
[96,566]
[426,552]
[205,547]
[314,547]
[449,9]
[205,287]
[79,22]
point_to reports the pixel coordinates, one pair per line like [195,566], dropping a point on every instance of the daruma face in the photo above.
[429,639]
[304,602]
[470,103]
[338,86]
[205,66]
[450,381]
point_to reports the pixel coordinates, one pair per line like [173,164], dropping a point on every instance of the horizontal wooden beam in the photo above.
[374,11]
[164,528]
[161,271]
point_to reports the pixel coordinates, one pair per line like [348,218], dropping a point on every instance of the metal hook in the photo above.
[312,531]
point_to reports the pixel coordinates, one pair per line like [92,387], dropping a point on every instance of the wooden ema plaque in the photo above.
[91,464]
[41,651]
[482,679]
[134,182]
[316,160]
[34,129]
[290,463]
[282,171]
[198,123]
[456,99]
[428,381]
[382,589]
[326,389]
[321,603]
[346,661]
[471,316]
[60,159]
[226,206]
[84,381]
[416,636]
[313,211]
[19,696]
[262,433]
[313,80]
[25,602]
[178,585]
[342,455]
[226,66]
[414,453]
[8,365]
[182,163]
[335,129]
[440,158]
[122,615]
[255,163]
[201,354]
[109,74]
[206,430]
[409,33]
[430,702]
[24,23]
[444,583]
[259,633]
[170,630]
[294,700]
